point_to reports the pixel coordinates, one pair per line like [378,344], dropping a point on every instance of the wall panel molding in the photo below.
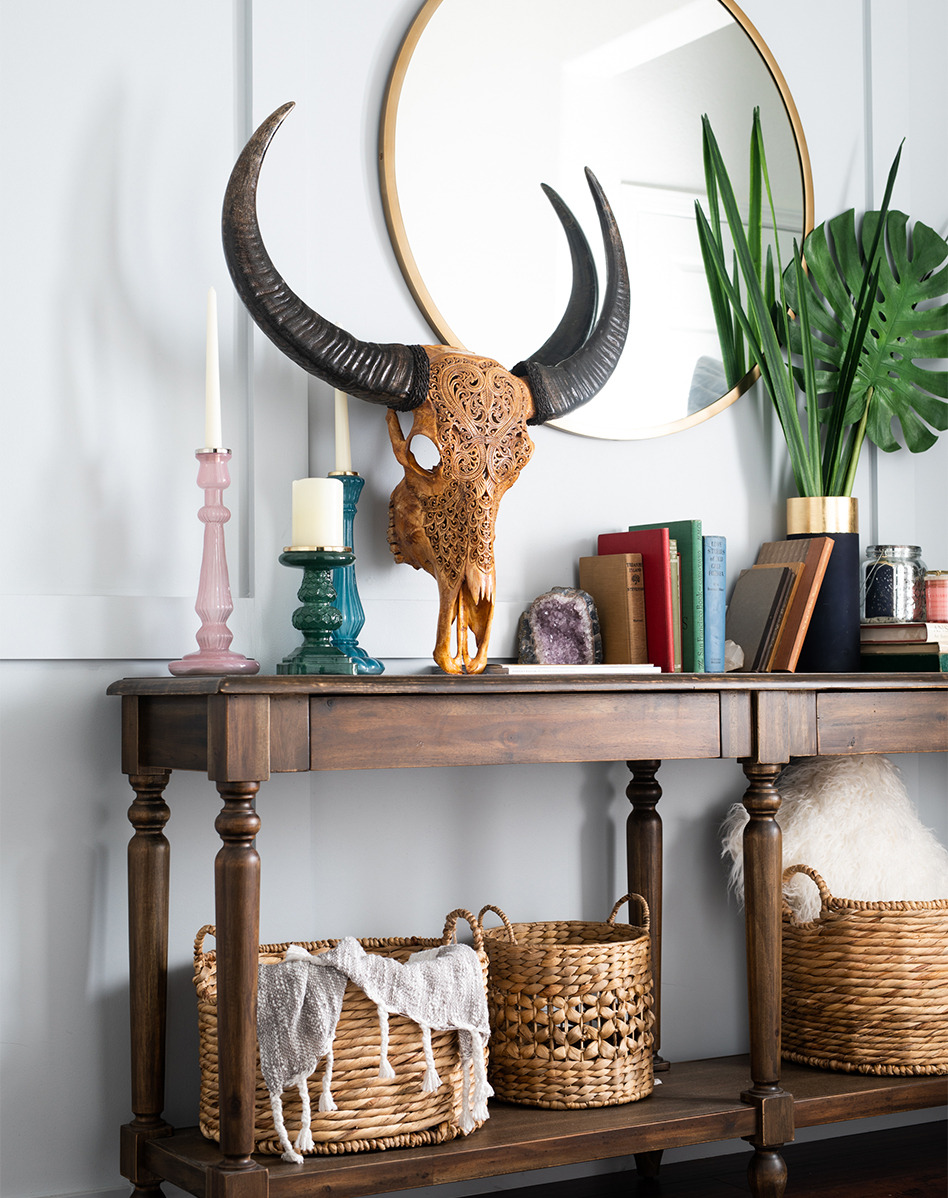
[108,627]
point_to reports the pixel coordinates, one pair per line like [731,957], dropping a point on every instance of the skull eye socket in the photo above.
[424,452]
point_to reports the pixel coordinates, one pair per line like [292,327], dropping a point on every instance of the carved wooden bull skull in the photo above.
[476,412]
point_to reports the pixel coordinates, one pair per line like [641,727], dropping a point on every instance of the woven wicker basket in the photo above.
[372,1113]
[570,1007]
[865,985]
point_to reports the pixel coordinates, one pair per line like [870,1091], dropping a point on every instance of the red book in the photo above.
[652,543]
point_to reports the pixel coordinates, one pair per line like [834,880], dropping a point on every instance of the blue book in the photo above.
[715,582]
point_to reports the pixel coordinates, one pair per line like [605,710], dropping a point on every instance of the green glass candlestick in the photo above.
[318,618]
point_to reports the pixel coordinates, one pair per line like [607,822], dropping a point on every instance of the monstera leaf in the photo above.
[905,324]
[838,348]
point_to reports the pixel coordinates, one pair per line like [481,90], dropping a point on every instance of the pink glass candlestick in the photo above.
[214,603]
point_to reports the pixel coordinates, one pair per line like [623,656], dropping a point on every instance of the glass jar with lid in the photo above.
[894,584]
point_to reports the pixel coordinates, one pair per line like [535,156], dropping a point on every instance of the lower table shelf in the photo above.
[696,1103]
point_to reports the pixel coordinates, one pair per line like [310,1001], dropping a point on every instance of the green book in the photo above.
[903,663]
[691,553]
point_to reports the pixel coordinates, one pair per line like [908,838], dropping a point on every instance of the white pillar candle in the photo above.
[343,451]
[317,513]
[213,438]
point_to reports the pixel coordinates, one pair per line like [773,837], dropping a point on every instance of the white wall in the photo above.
[120,126]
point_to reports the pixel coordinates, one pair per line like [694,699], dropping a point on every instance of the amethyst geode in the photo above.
[560,628]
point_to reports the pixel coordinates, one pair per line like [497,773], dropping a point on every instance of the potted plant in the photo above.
[837,343]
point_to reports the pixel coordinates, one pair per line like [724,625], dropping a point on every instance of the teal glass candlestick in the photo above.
[344,581]
[318,618]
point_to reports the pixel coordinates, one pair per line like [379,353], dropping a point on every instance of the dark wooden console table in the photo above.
[239,731]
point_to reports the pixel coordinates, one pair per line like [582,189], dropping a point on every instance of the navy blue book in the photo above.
[715,582]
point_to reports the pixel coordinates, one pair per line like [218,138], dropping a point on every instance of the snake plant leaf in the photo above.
[840,449]
[729,330]
[907,323]
[753,313]
[731,337]
[754,225]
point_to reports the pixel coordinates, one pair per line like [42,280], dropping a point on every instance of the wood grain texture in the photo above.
[238,729]
[644,871]
[736,740]
[437,683]
[784,725]
[148,896]
[885,722]
[172,732]
[517,1138]
[505,729]
[289,734]
[131,738]
[148,890]
[237,908]
[762,924]
[426,720]
[238,738]
[901,1162]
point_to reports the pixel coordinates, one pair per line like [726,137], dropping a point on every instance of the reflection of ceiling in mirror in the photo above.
[492,108]
[649,39]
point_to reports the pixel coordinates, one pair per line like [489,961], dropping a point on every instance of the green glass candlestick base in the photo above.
[318,618]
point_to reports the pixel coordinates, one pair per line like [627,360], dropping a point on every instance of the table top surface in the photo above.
[476,684]
[238,727]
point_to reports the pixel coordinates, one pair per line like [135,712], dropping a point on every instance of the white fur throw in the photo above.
[851,819]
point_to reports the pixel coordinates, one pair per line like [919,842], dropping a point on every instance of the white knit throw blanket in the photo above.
[299,1001]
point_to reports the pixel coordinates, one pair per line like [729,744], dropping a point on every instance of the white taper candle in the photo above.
[213,438]
[343,450]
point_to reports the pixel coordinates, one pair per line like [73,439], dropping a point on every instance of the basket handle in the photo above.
[208,930]
[497,911]
[450,927]
[825,897]
[627,898]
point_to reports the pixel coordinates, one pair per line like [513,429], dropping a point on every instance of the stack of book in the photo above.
[659,591]
[772,602]
[659,594]
[904,646]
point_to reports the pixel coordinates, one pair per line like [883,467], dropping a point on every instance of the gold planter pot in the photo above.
[810,517]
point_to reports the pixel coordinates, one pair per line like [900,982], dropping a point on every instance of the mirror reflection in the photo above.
[489,98]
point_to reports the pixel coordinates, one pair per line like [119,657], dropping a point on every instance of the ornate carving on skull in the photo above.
[442,519]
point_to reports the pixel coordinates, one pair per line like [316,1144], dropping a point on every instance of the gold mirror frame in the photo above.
[399,235]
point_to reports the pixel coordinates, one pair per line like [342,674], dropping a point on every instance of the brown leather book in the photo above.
[813,553]
[616,584]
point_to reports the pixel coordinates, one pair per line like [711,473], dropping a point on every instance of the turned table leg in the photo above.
[767,1172]
[237,902]
[148,871]
[644,857]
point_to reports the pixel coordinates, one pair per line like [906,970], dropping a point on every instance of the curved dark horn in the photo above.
[565,386]
[577,320]
[395,375]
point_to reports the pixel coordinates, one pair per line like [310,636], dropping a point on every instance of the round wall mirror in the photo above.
[490,98]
